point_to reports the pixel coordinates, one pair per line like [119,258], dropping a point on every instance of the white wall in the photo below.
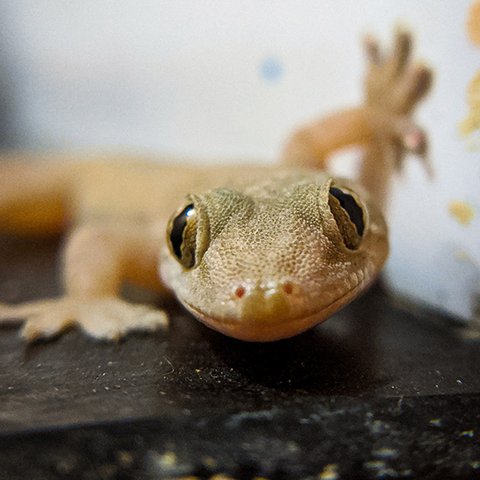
[231,79]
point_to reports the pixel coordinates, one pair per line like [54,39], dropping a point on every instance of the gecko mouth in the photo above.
[256,330]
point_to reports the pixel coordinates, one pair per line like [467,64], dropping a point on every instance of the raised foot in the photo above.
[394,86]
[103,319]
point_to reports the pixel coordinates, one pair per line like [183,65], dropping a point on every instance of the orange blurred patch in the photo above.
[463,212]
[473,23]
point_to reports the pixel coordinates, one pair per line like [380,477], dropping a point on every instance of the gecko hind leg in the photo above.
[107,318]
[394,85]
[383,125]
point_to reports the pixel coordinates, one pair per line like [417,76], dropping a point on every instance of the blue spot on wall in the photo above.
[271,69]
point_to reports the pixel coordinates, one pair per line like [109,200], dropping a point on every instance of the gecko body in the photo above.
[259,253]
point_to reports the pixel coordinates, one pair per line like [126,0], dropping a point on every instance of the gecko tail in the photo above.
[34,194]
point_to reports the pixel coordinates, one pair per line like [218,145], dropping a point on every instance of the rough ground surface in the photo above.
[376,392]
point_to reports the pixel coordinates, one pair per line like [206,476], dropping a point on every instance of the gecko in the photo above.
[256,252]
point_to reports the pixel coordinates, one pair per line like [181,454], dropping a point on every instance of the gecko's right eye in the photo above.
[182,236]
[348,214]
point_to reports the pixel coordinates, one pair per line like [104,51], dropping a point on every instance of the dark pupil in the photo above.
[176,235]
[349,204]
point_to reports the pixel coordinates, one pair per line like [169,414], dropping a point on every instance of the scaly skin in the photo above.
[256,252]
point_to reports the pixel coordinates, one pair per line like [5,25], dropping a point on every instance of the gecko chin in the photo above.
[271,314]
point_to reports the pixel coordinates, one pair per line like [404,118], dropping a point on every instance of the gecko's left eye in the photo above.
[348,215]
[182,236]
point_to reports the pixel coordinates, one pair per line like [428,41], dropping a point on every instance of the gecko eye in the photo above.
[348,215]
[182,236]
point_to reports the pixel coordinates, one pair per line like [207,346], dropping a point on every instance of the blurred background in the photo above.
[229,80]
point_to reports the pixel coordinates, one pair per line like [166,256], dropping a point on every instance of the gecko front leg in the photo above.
[97,261]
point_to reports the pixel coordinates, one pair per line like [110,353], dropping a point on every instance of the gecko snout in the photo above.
[264,302]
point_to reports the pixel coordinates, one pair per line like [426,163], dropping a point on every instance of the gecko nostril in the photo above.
[260,293]
[239,292]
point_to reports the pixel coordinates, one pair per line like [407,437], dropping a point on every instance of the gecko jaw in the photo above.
[264,326]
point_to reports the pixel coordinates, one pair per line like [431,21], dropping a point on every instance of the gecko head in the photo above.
[274,258]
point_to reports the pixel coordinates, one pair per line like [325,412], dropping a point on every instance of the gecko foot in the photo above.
[103,319]
[394,86]
[394,83]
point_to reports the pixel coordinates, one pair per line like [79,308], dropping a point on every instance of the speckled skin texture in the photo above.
[274,253]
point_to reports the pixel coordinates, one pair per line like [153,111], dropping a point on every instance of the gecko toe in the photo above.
[372,49]
[401,51]
[112,319]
